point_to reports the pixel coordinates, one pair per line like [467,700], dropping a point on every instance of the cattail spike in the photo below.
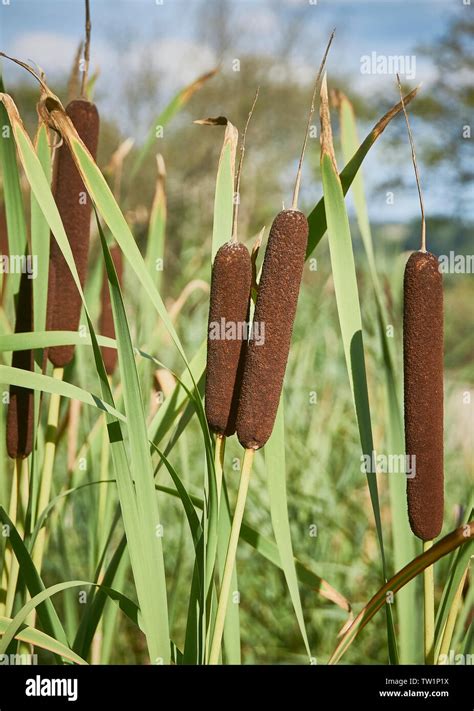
[423,387]
[275,310]
[21,404]
[74,205]
[228,315]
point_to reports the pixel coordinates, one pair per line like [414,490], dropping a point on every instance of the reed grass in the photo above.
[157,533]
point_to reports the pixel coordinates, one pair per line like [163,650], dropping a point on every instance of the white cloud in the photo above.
[260,21]
[54,52]
[179,61]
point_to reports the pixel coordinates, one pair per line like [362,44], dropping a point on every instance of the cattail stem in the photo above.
[239,170]
[47,474]
[219,452]
[105,497]
[415,167]
[8,573]
[102,529]
[230,557]
[428,583]
[451,621]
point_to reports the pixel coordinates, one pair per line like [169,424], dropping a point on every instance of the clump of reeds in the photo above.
[265,361]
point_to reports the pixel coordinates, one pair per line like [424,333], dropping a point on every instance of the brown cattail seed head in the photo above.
[106,322]
[74,205]
[423,385]
[228,315]
[20,407]
[266,358]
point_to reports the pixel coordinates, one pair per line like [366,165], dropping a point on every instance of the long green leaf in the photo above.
[36,381]
[46,612]
[39,639]
[14,207]
[348,307]
[402,538]
[276,477]
[462,536]
[317,217]
[153,600]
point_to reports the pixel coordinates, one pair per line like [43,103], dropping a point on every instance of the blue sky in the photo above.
[47,29]
[127,32]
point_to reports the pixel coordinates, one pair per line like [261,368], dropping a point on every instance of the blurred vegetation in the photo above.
[325,485]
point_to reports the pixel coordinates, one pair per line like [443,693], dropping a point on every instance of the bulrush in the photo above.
[20,407]
[423,378]
[228,333]
[64,300]
[228,317]
[275,311]
[267,356]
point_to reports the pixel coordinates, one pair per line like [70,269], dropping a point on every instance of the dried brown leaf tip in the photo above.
[217,121]
[231,137]
[327,145]
[196,85]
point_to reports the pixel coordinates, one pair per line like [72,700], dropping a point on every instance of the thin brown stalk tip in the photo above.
[239,169]
[73,88]
[327,145]
[415,167]
[87,49]
[296,190]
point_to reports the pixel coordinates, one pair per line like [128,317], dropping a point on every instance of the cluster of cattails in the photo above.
[244,378]
[64,301]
